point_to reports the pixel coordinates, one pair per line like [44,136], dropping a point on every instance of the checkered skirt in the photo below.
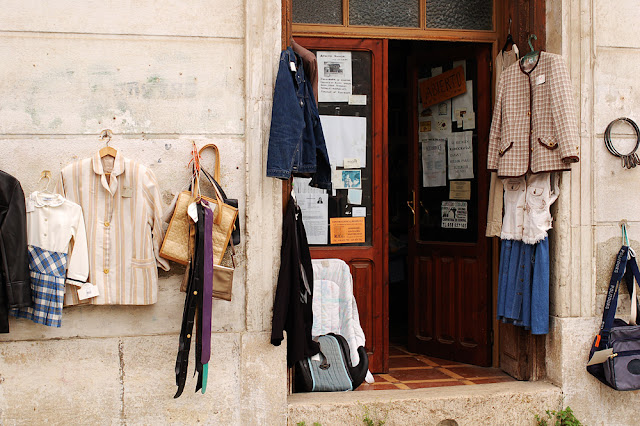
[47,270]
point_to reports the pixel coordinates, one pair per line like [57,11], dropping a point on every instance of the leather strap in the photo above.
[193,300]
[216,170]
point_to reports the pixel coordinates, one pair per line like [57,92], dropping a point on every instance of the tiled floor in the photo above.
[414,371]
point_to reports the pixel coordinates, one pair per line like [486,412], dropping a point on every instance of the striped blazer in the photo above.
[123,221]
[534,126]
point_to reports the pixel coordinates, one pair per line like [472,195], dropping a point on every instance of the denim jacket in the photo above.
[296,141]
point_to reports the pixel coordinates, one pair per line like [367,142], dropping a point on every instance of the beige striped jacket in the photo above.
[123,222]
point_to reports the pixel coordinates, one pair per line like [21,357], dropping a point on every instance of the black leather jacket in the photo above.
[15,288]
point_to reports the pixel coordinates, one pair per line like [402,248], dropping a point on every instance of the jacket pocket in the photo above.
[548,142]
[536,198]
[506,146]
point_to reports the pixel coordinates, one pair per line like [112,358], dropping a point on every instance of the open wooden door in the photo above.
[366,200]
[449,255]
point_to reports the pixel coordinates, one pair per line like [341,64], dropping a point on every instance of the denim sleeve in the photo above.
[287,121]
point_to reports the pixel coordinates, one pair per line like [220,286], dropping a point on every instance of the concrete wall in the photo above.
[159,74]
[598,39]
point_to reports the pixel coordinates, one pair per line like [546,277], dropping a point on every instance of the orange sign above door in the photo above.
[442,87]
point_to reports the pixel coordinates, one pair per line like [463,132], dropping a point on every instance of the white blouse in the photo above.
[56,224]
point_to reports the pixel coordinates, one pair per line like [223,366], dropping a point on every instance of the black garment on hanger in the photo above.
[292,307]
[15,282]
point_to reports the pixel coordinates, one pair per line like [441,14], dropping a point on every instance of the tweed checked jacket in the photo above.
[534,126]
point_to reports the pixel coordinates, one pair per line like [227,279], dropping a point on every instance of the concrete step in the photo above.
[511,403]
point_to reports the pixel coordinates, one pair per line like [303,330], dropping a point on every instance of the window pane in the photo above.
[460,14]
[317,12]
[387,13]
[344,204]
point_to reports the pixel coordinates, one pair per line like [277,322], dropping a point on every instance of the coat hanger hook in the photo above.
[106,134]
[534,37]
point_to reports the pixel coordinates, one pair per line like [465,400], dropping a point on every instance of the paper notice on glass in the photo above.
[301,186]
[454,214]
[463,102]
[460,156]
[315,216]
[354,196]
[346,137]
[434,162]
[334,76]
[469,121]
[346,230]
[436,71]
[351,163]
[344,179]
[359,212]
[460,190]
[358,100]
[461,63]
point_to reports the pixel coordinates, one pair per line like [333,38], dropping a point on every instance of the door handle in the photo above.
[412,206]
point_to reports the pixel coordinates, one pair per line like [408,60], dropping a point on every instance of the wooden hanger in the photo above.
[107,150]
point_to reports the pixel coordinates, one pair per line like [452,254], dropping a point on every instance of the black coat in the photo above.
[292,308]
[15,288]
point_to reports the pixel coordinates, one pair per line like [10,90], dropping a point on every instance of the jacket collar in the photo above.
[118,169]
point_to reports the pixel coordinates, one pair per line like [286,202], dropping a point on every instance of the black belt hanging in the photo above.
[192,306]
[631,159]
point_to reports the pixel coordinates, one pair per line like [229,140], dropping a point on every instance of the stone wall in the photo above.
[598,40]
[159,74]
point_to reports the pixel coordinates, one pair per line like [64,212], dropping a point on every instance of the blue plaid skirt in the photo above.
[47,270]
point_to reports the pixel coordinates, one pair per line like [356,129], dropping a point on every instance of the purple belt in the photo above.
[208,285]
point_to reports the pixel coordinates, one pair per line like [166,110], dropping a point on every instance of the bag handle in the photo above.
[611,302]
[216,170]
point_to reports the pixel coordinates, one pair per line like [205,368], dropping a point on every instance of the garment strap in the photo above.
[611,302]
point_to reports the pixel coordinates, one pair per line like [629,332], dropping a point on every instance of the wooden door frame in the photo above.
[528,16]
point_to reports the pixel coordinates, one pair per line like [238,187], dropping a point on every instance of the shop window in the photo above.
[460,14]
[344,215]
[398,13]
[317,12]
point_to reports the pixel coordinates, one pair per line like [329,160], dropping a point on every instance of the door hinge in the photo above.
[490,65]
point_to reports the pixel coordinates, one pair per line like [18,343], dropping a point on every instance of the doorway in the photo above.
[439,259]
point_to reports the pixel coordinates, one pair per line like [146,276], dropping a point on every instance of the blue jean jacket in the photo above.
[296,141]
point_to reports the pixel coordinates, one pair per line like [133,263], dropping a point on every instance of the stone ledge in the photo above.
[497,404]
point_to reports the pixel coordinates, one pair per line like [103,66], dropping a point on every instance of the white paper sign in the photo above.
[346,137]
[463,102]
[334,76]
[434,166]
[460,156]
[351,163]
[359,212]
[315,216]
[358,100]
[454,214]
[88,291]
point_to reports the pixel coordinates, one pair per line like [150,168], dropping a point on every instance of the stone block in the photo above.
[60,382]
[264,381]
[511,403]
[617,94]
[218,18]
[67,84]
[149,382]
[615,23]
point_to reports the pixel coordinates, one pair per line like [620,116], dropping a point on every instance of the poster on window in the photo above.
[434,162]
[460,149]
[454,214]
[334,76]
